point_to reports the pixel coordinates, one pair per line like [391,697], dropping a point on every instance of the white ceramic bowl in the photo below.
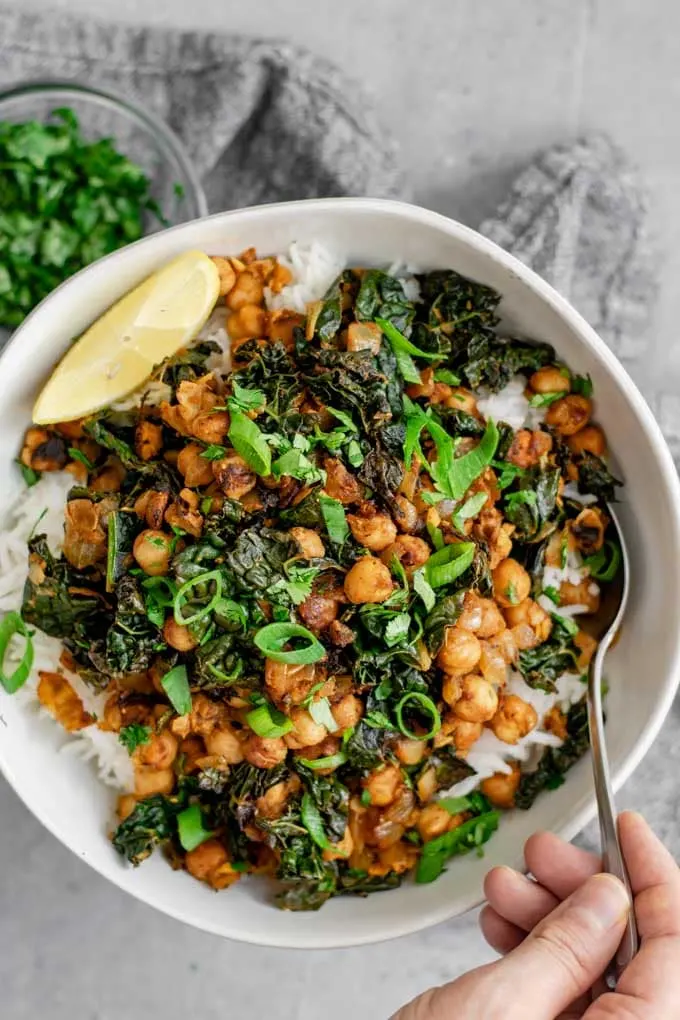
[643,671]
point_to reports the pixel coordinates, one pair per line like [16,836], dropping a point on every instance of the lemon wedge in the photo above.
[122,348]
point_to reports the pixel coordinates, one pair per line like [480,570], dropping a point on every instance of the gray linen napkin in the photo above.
[262,121]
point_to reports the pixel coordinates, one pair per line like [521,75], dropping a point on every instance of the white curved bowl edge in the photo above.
[645,665]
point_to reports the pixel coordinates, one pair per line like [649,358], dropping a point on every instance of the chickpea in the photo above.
[149,781]
[364,336]
[589,529]
[151,507]
[202,861]
[478,700]
[272,803]
[178,636]
[405,514]
[152,551]
[368,581]
[308,542]
[492,664]
[250,321]
[462,732]
[555,721]
[233,476]
[411,552]
[282,326]
[280,278]
[224,743]
[183,513]
[305,732]
[348,711]
[511,583]
[585,593]
[264,752]
[195,468]
[210,426]
[426,786]
[501,787]
[408,751]
[148,439]
[463,400]
[318,612]
[587,646]
[341,483]
[451,689]
[226,273]
[590,439]
[532,615]
[247,290]
[514,719]
[504,643]
[569,414]
[126,804]
[382,785]
[433,821]
[425,387]
[340,851]
[528,448]
[288,681]
[550,379]
[374,530]
[492,619]
[159,752]
[460,651]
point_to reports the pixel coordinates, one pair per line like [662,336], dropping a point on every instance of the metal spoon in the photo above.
[605,627]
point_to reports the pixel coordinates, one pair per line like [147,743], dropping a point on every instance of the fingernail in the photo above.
[604,899]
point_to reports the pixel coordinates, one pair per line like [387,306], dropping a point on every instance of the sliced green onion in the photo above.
[193,582]
[446,565]
[333,514]
[320,712]
[567,623]
[422,701]
[76,454]
[30,475]
[271,639]
[423,588]
[313,822]
[466,469]
[190,828]
[464,838]
[582,384]
[604,565]
[175,683]
[406,366]
[331,761]
[470,508]
[13,624]
[445,375]
[267,721]
[249,441]
[546,399]
[227,678]
[400,342]
[454,805]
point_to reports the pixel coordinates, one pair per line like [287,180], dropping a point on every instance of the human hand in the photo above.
[558,933]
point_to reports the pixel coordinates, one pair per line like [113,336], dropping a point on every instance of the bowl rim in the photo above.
[153,124]
[668,475]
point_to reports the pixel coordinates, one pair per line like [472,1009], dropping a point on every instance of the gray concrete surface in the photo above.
[471,90]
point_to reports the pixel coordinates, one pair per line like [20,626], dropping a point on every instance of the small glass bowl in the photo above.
[136,133]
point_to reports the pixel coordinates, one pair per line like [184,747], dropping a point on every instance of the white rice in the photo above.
[314,268]
[509,404]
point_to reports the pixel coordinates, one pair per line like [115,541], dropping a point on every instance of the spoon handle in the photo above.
[612,856]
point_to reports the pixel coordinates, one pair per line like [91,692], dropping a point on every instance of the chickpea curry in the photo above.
[305,584]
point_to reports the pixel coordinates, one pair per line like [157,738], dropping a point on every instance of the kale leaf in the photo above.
[256,559]
[556,761]
[542,666]
[60,600]
[271,370]
[382,297]
[445,614]
[348,380]
[331,798]
[449,769]
[151,823]
[532,506]
[594,477]
[381,472]
[133,639]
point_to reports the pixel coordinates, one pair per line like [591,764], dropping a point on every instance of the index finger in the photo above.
[653,978]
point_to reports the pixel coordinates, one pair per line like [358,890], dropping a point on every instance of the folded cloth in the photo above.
[263,121]
[578,216]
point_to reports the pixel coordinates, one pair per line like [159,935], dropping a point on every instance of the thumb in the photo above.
[568,951]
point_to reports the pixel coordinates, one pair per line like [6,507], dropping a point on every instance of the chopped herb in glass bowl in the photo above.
[82,173]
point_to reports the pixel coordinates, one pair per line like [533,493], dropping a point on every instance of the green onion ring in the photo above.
[428,704]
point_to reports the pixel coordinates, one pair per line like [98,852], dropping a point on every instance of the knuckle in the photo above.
[569,947]
[613,1006]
